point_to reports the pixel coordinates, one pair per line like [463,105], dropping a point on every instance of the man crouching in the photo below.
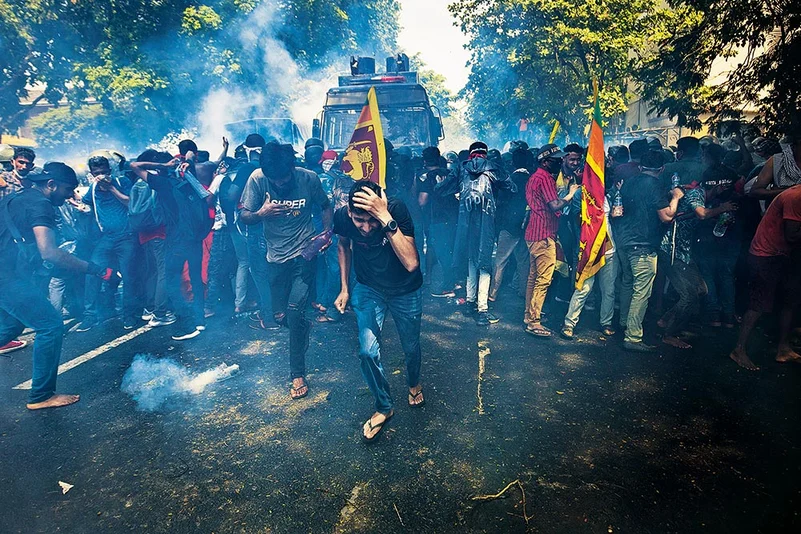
[378,235]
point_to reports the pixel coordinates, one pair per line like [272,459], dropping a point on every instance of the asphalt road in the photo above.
[600,440]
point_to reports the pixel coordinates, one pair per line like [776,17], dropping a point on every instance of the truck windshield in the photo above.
[403,127]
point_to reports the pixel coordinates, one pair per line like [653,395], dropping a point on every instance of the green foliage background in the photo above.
[148,63]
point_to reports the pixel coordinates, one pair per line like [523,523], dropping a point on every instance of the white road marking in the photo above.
[483,352]
[92,354]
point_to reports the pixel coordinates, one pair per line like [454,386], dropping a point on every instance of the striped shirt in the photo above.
[543,222]
[9,183]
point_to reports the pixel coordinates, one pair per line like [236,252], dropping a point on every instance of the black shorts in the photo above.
[772,275]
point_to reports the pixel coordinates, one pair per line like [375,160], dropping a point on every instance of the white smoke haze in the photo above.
[285,89]
[153,381]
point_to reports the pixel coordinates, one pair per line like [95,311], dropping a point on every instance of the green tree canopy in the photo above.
[149,64]
[763,40]
[537,58]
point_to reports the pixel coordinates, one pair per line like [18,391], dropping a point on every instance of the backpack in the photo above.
[144,213]
[193,211]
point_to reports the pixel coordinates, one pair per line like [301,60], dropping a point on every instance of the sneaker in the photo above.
[86,325]
[11,346]
[147,315]
[201,327]
[492,318]
[130,323]
[482,319]
[469,308]
[168,319]
[208,313]
[567,332]
[638,347]
[444,294]
[563,301]
[186,334]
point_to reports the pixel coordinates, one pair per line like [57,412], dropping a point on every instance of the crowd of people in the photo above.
[705,233]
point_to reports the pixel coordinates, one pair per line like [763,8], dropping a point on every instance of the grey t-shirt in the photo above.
[286,234]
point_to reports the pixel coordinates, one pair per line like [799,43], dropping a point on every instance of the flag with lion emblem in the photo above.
[593,241]
[365,157]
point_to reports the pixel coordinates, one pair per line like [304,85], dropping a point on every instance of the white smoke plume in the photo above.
[152,381]
[299,95]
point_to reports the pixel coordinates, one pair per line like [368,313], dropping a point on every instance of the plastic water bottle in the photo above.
[724,221]
[617,204]
[674,181]
[316,244]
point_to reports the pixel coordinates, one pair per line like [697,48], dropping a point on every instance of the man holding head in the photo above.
[28,253]
[281,197]
[378,235]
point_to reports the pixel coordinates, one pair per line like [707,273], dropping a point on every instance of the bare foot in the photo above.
[676,342]
[56,401]
[416,395]
[374,425]
[742,359]
[788,355]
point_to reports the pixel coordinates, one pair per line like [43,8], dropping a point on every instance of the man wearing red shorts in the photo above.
[774,274]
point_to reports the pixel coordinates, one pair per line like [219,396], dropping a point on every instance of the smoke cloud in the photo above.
[153,381]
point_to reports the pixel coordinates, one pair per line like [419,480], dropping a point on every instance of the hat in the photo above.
[328,154]
[55,170]
[478,148]
[550,151]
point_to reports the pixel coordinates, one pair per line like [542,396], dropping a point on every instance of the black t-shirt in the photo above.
[231,190]
[642,197]
[444,208]
[376,264]
[511,208]
[28,208]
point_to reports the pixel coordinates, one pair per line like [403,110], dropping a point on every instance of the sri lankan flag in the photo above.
[593,241]
[365,157]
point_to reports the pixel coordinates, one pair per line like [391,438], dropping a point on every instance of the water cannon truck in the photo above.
[407,117]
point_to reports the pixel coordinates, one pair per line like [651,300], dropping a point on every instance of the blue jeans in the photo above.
[257,262]
[115,250]
[442,236]
[23,304]
[371,310]
[178,252]
[155,278]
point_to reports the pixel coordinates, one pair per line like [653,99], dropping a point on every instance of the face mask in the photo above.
[328,164]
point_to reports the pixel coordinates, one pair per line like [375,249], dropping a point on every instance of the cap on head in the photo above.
[478,149]
[328,155]
[57,171]
[549,151]
[254,140]
[652,160]
[313,141]
[6,153]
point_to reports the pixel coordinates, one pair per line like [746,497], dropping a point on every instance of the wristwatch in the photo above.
[391,226]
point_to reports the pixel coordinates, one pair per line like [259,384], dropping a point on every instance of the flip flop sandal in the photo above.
[539,332]
[319,307]
[415,396]
[293,389]
[323,319]
[379,426]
